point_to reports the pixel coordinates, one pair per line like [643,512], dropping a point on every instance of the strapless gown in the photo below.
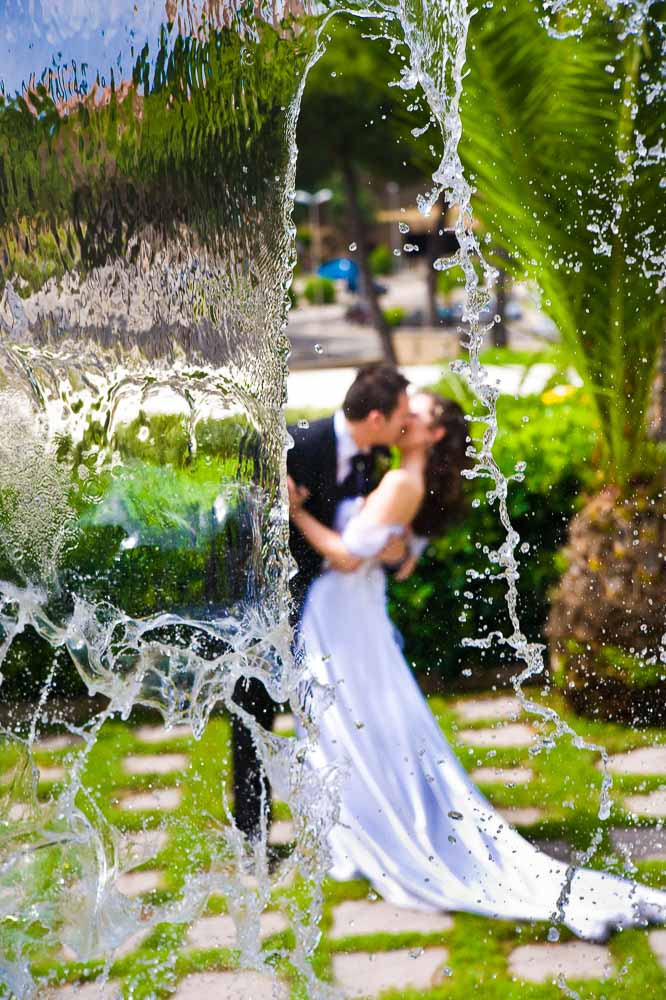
[411,820]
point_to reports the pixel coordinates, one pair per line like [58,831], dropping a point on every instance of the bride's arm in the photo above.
[325,541]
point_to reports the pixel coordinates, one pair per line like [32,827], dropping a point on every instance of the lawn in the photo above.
[564,787]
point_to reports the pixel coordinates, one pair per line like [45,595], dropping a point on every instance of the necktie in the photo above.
[357,481]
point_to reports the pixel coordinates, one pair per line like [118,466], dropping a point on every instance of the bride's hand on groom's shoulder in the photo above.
[298,495]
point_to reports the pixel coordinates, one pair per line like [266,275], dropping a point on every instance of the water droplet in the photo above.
[415,952]
[454,814]
[318,349]
[353,247]
[396,252]
[410,248]
[476,503]
[403,227]
[303,424]
[553,934]
[143,433]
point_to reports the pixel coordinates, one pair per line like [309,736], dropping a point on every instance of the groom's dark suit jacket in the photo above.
[313,463]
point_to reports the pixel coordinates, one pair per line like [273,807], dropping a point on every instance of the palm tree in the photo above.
[562,137]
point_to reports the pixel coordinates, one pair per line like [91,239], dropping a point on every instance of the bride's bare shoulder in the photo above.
[396,499]
[401,481]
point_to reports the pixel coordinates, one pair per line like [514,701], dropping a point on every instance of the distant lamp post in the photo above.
[313,201]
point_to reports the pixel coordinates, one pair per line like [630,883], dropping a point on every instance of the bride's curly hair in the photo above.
[444,500]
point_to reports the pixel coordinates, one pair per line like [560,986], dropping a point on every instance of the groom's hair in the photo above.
[376,387]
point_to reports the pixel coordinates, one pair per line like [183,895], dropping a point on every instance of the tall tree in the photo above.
[352,124]
[563,136]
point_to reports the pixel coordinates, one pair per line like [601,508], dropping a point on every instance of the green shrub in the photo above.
[381,259]
[557,442]
[319,291]
[395,316]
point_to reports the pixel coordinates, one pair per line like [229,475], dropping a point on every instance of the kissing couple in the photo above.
[411,821]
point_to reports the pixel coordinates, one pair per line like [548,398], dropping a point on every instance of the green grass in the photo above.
[565,786]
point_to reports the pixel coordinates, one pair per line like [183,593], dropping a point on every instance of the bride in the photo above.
[411,821]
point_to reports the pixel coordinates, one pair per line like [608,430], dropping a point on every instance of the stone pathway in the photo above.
[230,986]
[144,843]
[138,883]
[525,816]
[161,763]
[85,991]
[281,833]
[513,734]
[163,799]
[657,941]
[644,760]
[539,963]
[488,709]
[61,741]
[362,974]
[357,917]
[653,804]
[220,931]
[640,844]
[51,773]
[502,776]
[158,734]
[284,723]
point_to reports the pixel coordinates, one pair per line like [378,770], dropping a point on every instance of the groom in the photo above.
[341,456]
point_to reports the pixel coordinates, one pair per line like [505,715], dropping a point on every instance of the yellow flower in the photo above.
[558,393]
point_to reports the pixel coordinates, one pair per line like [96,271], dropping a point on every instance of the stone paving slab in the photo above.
[85,991]
[163,799]
[644,760]
[284,723]
[652,804]
[358,916]
[539,963]
[657,941]
[220,931]
[503,775]
[144,843]
[155,763]
[558,849]
[513,734]
[525,816]
[281,832]
[488,709]
[138,883]
[158,734]
[230,986]
[640,844]
[49,773]
[364,974]
[61,741]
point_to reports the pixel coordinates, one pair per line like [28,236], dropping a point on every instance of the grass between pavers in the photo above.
[477,948]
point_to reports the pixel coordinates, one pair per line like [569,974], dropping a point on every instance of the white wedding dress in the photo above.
[412,822]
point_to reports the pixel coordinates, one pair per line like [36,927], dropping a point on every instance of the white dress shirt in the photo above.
[345,446]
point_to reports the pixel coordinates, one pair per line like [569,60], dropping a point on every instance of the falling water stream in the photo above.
[147,167]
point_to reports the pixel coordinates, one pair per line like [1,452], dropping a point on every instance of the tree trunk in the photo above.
[366,282]
[432,316]
[500,334]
